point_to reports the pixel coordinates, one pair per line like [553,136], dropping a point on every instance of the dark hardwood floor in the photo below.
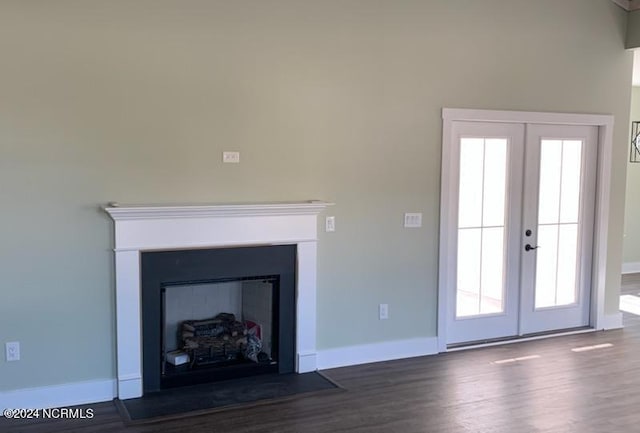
[557,390]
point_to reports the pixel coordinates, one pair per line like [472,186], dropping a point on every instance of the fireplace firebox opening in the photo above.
[217,314]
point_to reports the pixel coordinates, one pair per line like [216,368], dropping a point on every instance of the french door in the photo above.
[524,220]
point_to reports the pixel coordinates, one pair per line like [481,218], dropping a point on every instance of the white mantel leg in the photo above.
[306,307]
[129,330]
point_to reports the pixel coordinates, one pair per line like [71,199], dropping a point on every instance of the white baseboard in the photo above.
[612,321]
[129,386]
[376,352]
[72,394]
[631,268]
[307,362]
[69,394]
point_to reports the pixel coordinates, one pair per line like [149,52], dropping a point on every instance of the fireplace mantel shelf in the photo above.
[133,212]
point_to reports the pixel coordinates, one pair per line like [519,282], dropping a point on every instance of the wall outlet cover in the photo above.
[12,351]
[383,311]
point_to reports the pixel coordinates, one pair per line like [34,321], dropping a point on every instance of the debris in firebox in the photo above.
[254,344]
[177,357]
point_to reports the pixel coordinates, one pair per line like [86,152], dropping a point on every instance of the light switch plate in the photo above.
[231,157]
[330,224]
[413,220]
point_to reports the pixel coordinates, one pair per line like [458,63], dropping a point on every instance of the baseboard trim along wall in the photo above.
[612,321]
[376,352]
[69,394]
[631,267]
[72,394]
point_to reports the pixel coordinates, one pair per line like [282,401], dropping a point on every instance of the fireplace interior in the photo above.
[217,314]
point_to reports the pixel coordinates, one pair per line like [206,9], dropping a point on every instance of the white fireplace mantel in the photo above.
[142,228]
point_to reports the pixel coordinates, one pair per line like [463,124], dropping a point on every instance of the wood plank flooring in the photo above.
[558,391]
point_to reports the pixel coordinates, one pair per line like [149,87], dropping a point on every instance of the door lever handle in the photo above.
[528,247]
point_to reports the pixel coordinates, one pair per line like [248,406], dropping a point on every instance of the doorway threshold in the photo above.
[518,338]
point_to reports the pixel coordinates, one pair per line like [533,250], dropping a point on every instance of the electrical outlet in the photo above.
[232,157]
[383,311]
[13,350]
[330,224]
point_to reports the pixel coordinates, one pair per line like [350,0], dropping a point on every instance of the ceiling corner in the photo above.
[624,4]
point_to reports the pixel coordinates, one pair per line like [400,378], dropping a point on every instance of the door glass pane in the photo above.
[567,264]
[471,169]
[492,270]
[546,263]
[495,168]
[481,226]
[469,252]
[571,164]
[558,219]
[550,169]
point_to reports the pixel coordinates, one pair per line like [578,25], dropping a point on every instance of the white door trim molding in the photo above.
[603,198]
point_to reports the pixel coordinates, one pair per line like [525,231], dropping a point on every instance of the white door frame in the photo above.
[448,199]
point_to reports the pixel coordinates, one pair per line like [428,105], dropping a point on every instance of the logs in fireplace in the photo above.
[221,338]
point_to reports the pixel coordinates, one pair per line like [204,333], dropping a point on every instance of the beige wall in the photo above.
[134,101]
[631,254]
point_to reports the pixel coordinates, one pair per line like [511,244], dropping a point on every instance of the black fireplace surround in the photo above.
[160,269]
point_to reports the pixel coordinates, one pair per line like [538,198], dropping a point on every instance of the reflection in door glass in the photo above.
[558,220]
[481,226]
